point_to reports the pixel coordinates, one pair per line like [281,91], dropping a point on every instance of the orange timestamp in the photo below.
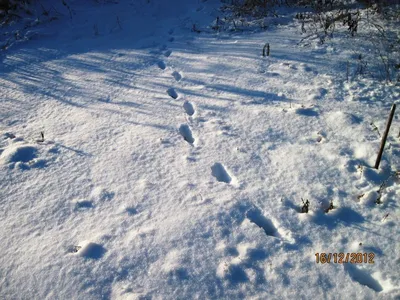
[344,258]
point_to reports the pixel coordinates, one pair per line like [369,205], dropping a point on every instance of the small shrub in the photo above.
[305,206]
[266,50]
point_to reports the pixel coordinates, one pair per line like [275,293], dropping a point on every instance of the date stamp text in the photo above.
[344,258]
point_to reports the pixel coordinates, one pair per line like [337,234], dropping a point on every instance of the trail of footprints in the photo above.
[245,257]
[236,272]
[218,170]
[175,74]
[184,129]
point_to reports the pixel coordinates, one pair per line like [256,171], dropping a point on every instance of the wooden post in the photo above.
[384,137]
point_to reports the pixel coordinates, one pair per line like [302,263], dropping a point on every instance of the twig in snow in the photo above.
[67,6]
[194,29]
[45,11]
[375,129]
[42,137]
[119,23]
[385,217]
[216,26]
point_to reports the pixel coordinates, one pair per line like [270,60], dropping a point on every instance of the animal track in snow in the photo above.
[243,264]
[189,108]
[307,69]
[131,211]
[177,75]
[100,194]
[83,204]
[233,273]
[221,174]
[222,127]
[255,216]
[307,111]
[362,277]
[89,250]
[172,93]
[318,94]
[161,65]
[97,196]
[185,131]
[8,135]
[174,266]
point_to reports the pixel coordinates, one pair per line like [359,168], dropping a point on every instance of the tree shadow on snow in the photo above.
[77,151]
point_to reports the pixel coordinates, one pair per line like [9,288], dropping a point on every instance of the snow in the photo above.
[174,163]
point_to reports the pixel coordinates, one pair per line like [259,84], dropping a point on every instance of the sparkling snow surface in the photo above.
[174,163]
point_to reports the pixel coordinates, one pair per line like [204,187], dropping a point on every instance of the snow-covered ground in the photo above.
[174,163]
